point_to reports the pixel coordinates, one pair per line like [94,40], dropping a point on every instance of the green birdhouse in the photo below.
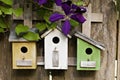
[88,53]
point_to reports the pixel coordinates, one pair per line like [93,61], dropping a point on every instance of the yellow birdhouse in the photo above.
[23,53]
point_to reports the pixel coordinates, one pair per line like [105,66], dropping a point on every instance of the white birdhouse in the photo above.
[56,49]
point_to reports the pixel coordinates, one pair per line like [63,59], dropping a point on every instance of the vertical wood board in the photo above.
[90,18]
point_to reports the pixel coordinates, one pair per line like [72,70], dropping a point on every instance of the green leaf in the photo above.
[74,23]
[18,12]
[2,23]
[41,26]
[79,3]
[21,29]
[1,30]
[31,36]
[8,2]
[0,12]
[6,10]
[52,26]
[41,12]
[47,16]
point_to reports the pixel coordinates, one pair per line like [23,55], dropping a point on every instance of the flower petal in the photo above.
[58,2]
[66,6]
[66,27]
[81,9]
[74,6]
[74,17]
[56,16]
[79,18]
[41,2]
[78,9]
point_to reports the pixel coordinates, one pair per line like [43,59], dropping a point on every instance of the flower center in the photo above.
[67,17]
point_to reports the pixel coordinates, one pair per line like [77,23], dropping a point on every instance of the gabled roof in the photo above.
[49,31]
[89,40]
[14,38]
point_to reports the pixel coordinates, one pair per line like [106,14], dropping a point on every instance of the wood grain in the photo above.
[106,33]
[90,18]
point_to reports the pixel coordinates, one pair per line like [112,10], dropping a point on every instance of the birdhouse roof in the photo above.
[49,31]
[89,40]
[14,38]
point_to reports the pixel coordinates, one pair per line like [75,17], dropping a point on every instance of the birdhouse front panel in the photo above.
[24,55]
[88,56]
[56,50]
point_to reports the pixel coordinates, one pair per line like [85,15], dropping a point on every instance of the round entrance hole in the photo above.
[56,40]
[24,49]
[88,51]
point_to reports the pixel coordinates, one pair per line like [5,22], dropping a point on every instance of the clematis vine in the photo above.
[71,11]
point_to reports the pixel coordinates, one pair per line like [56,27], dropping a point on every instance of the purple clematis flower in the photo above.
[56,16]
[78,17]
[41,2]
[66,28]
[58,2]
[78,9]
[66,6]
[71,11]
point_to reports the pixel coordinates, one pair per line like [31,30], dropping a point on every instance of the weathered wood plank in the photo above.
[97,17]
[28,14]
[73,74]
[90,17]
[86,27]
[106,33]
[58,74]
[17,4]
[5,58]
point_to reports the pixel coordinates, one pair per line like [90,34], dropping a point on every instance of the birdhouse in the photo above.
[56,49]
[23,53]
[88,53]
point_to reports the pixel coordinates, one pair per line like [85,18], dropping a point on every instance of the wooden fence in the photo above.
[106,32]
